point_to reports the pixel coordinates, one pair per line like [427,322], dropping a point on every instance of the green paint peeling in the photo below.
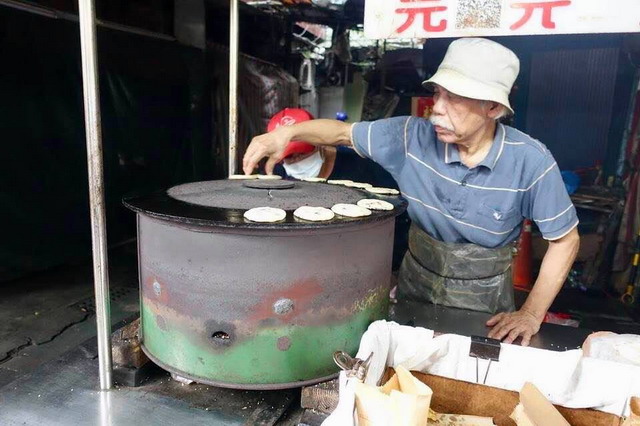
[259,360]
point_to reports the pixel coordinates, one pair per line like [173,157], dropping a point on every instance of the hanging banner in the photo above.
[462,18]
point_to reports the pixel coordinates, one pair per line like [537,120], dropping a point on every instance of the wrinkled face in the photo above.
[294,158]
[457,119]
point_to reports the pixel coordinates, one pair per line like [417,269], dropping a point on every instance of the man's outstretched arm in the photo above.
[272,145]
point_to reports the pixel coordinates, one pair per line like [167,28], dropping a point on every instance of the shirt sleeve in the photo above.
[383,141]
[549,205]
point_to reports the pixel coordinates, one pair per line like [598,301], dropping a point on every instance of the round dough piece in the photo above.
[314,179]
[383,191]
[241,177]
[350,210]
[339,182]
[375,204]
[269,177]
[314,214]
[265,215]
[359,185]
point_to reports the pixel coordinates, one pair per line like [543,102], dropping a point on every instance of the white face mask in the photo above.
[305,168]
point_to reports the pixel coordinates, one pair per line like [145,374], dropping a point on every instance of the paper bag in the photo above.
[634,417]
[402,401]
[536,410]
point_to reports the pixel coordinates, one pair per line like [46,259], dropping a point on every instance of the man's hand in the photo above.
[269,145]
[509,326]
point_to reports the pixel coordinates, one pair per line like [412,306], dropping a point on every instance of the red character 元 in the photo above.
[547,8]
[426,13]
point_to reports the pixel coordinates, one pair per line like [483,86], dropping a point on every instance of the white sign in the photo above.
[462,18]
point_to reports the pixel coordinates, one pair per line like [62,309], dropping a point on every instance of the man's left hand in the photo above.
[509,326]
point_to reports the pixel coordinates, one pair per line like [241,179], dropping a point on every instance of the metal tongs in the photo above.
[354,367]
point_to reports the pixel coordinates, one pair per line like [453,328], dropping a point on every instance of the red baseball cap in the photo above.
[288,117]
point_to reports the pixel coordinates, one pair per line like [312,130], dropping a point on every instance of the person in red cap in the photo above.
[301,159]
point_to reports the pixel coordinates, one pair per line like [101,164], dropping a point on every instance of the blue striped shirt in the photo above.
[484,205]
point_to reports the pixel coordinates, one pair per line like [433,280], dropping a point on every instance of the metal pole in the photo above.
[96,186]
[233,85]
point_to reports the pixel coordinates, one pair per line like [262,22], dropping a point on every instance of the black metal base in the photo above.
[132,376]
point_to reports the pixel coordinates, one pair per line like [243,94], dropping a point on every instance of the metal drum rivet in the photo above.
[157,288]
[284,343]
[283,306]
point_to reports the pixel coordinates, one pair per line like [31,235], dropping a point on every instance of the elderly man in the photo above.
[469,181]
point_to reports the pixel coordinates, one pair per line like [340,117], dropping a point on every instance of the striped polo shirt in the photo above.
[483,205]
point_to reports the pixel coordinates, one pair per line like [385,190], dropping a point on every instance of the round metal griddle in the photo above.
[223,203]
[233,303]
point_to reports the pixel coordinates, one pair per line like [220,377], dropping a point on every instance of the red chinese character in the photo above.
[546,7]
[426,16]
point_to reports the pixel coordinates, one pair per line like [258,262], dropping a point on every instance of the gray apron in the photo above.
[464,276]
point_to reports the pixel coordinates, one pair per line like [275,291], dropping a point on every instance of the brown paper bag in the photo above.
[536,410]
[634,417]
[402,401]
[405,401]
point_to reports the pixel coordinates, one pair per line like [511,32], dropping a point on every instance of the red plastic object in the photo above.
[523,259]
[288,117]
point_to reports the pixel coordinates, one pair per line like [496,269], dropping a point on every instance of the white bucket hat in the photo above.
[478,68]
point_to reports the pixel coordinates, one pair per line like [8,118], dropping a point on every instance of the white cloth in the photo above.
[623,348]
[565,378]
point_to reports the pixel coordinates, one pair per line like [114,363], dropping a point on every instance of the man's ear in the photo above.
[495,110]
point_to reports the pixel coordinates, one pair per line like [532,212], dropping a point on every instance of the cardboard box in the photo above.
[458,397]
[454,396]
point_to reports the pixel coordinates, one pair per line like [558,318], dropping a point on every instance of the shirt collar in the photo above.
[451,154]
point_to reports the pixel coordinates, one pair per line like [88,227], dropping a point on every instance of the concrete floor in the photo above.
[44,315]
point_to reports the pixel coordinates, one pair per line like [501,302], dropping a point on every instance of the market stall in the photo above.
[227,302]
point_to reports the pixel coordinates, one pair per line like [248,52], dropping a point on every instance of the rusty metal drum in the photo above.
[247,305]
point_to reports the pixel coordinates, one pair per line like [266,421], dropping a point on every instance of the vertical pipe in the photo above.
[233,85]
[96,186]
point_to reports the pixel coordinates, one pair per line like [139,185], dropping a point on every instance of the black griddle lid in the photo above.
[248,194]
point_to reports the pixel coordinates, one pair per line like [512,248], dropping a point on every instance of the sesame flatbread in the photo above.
[314,214]
[383,191]
[242,177]
[359,185]
[375,204]
[265,215]
[350,210]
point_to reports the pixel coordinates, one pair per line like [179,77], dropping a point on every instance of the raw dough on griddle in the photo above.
[241,177]
[350,210]
[314,214]
[339,182]
[371,204]
[383,191]
[314,179]
[269,177]
[265,215]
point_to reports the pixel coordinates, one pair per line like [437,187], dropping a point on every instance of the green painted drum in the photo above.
[259,307]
